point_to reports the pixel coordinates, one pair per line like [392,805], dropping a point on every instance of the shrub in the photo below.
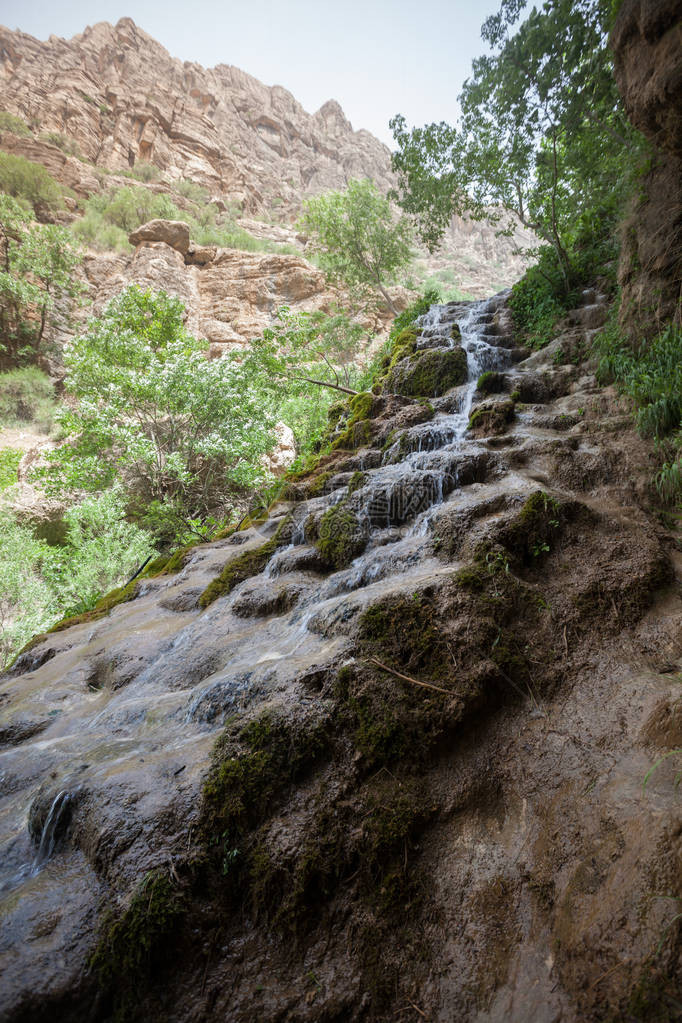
[39,583]
[63,142]
[38,272]
[26,395]
[152,412]
[651,374]
[9,463]
[8,122]
[29,182]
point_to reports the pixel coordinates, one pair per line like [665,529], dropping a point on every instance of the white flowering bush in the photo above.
[148,410]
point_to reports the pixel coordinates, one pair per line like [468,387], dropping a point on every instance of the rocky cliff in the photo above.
[647,47]
[112,98]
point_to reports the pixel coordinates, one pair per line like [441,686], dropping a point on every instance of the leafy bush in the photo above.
[96,232]
[8,122]
[191,190]
[38,272]
[29,182]
[146,172]
[129,206]
[63,142]
[39,583]
[651,374]
[9,463]
[26,395]
[152,413]
[110,216]
[416,309]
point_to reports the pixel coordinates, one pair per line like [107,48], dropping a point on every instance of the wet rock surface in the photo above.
[397,760]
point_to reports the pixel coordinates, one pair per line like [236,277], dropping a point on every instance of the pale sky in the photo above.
[376,57]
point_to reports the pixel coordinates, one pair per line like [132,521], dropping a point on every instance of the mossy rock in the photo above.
[358,426]
[340,536]
[492,419]
[244,566]
[429,373]
[490,383]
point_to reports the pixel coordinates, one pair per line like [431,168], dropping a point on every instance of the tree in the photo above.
[301,349]
[360,242]
[543,137]
[179,432]
[37,265]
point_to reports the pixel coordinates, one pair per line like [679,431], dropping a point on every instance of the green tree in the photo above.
[304,349]
[37,263]
[360,242]
[543,137]
[178,431]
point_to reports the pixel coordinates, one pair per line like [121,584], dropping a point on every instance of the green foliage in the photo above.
[145,172]
[9,463]
[9,122]
[40,583]
[359,242]
[651,374]
[191,190]
[543,137]
[111,215]
[151,411]
[26,396]
[544,294]
[38,266]
[137,942]
[122,209]
[63,142]
[29,183]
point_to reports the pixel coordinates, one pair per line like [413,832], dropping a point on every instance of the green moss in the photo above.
[530,534]
[405,630]
[429,373]
[490,383]
[318,483]
[250,768]
[133,947]
[340,537]
[358,429]
[356,482]
[242,567]
[492,419]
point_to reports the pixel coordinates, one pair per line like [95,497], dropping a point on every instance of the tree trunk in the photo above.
[389,300]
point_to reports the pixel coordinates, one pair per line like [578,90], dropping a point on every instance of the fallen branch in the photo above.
[408,678]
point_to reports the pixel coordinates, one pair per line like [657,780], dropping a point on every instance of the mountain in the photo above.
[112,100]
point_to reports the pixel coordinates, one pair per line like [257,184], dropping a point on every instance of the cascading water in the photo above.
[187,669]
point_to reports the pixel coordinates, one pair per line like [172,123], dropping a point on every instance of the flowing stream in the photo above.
[122,706]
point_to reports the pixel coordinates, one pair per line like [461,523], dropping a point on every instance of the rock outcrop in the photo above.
[384,749]
[174,233]
[647,48]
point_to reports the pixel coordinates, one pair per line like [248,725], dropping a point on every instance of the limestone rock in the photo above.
[647,48]
[429,373]
[174,233]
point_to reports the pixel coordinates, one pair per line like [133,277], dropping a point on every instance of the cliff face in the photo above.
[647,48]
[122,98]
[113,97]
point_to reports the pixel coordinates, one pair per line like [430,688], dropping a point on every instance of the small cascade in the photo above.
[55,825]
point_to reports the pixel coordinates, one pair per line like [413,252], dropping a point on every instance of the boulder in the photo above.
[174,233]
[428,373]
